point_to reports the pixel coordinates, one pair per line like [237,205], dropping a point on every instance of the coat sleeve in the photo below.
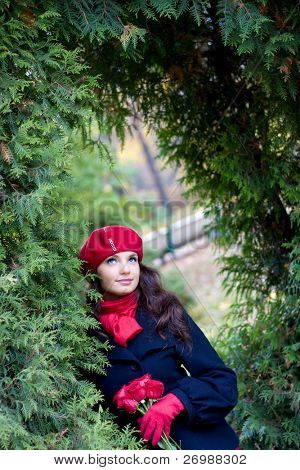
[210,392]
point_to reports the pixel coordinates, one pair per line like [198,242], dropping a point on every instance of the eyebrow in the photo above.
[132,254]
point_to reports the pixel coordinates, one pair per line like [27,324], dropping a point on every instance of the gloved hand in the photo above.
[159,417]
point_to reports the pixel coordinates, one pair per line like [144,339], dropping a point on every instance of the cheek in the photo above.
[135,267]
[137,271]
[108,275]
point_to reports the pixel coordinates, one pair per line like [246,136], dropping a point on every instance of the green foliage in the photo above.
[265,354]
[224,102]
[46,90]
[219,82]
[268,34]
[241,21]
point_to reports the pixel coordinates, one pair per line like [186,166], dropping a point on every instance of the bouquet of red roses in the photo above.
[139,395]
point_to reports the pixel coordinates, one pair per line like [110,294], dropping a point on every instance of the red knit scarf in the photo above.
[117,318]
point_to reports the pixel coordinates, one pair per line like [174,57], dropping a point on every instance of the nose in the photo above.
[125,268]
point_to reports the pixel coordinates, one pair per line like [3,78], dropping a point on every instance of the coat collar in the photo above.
[145,341]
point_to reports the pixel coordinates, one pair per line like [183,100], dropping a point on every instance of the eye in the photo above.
[110,259]
[133,257]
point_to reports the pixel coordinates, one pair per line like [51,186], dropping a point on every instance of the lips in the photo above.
[125,280]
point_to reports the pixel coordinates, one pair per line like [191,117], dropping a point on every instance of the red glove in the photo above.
[159,417]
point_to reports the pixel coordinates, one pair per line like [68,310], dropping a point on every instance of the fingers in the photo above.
[151,428]
[157,433]
[144,421]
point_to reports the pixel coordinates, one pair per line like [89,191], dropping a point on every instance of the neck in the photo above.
[109,296]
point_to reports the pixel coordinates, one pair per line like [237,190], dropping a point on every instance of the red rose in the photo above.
[128,397]
[125,401]
[141,380]
[137,387]
[154,389]
[136,391]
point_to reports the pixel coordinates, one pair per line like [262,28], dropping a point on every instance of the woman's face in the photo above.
[114,269]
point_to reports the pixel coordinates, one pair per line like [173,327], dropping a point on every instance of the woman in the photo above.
[153,334]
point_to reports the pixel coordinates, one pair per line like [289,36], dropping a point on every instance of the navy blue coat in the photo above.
[209,393]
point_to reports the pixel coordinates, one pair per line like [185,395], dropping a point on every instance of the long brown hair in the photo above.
[164,305]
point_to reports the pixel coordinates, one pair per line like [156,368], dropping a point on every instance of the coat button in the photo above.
[134,366]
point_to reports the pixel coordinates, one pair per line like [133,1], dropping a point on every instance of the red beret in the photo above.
[107,241]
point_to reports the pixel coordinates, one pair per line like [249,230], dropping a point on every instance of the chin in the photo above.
[126,289]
